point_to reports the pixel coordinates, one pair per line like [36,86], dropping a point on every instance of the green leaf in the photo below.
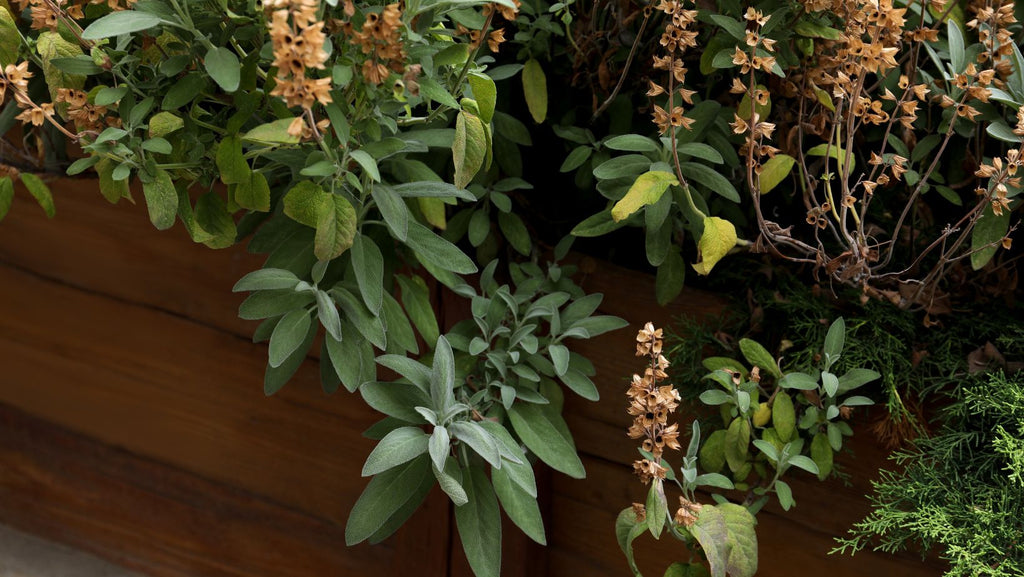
[439,447]
[627,529]
[989,229]
[432,189]
[485,94]
[352,358]
[834,340]
[580,384]
[437,251]
[804,463]
[468,148]
[560,358]
[515,232]
[479,524]
[597,225]
[784,417]
[632,143]
[678,569]
[712,453]
[183,91]
[718,238]
[397,447]
[39,191]
[737,443]
[112,190]
[393,209]
[810,29]
[231,163]
[520,506]
[266,279]
[384,497]
[118,23]
[477,438]
[710,178]
[10,38]
[855,378]
[742,552]
[368,264]
[657,509]
[800,381]
[774,172]
[759,356]
[622,166]
[702,151]
[821,453]
[450,480]
[367,162]
[109,95]
[439,94]
[276,377]
[6,194]
[646,189]
[161,200]
[275,132]
[535,90]
[785,494]
[361,318]
[670,278]
[288,336]
[223,66]
[213,217]
[305,202]
[327,312]
[254,194]
[546,434]
[576,158]
[957,52]
[395,399]
[712,533]
[416,300]
[834,152]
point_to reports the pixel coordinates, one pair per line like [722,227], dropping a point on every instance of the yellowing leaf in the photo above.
[646,189]
[335,227]
[824,99]
[535,89]
[51,45]
[836,153]
[433,210]
[254,194]
[775,171]
[468,148]
[717,240]
[275,132]
[163,123]
[10,40]
[161,200]
[485,94]
[112,190]
[305,202]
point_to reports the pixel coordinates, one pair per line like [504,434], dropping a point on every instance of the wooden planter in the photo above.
[133,425]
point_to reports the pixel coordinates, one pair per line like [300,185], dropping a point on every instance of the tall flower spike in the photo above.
[650,405]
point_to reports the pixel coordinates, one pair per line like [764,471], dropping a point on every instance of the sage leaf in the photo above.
[288,335]
[161,200]
[535,90]
[520,506]
[384,497]
[546,434]
[397,447]
[479,524]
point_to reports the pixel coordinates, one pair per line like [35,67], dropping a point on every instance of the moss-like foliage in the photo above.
[962,490]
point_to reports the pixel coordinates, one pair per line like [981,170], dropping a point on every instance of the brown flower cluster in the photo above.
[298,40]
[495,37]
[86,117]
[992,19]
[1004,175]
[14,79]
[749,122]
[650,405]
[46,14]
[380,39]
[675,40]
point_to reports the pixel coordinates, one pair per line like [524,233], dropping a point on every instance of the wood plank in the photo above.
[114,250]
[178,392]
[160,520]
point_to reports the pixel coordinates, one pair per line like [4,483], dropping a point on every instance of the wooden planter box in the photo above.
[133,425]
